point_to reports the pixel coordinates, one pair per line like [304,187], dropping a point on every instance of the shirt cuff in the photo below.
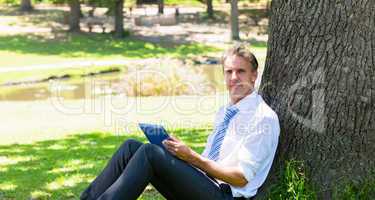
[247,171]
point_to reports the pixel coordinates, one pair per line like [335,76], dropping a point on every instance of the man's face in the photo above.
[239,77]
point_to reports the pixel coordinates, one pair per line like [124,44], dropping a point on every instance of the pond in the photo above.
[146,81]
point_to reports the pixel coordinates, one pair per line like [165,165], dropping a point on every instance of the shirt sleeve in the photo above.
[258,147]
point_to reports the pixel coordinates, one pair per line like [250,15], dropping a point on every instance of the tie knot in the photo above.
[230,112]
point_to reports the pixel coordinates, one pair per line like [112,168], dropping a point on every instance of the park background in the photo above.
[77,76]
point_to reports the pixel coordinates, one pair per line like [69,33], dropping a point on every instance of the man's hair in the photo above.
[242,51]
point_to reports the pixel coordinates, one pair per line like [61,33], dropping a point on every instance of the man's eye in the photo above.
[229,71]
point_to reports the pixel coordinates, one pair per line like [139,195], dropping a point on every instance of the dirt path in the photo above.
[29,121]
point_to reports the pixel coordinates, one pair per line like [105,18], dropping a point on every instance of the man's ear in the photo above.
[254,76]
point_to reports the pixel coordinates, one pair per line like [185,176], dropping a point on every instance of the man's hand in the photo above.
[179,149]
[231,175]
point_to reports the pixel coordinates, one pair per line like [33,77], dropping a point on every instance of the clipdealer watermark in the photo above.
[115,107]
[120,104]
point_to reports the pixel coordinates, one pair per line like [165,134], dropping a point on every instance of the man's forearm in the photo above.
[231,175]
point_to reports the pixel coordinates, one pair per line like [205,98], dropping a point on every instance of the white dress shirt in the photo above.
[250,142]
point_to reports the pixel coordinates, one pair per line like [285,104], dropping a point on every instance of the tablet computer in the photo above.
[154,133]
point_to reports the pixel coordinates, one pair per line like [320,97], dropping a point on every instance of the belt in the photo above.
[243,198]
[225,187]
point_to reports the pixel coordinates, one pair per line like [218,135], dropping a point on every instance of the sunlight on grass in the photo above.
[71,166]
[55,173]
[8,150]
[3,169]
[38,194]
[56,147]
[39,74]
[67,181]
[61,169]
[30,50]
[129,3]
[7,186]
[14,160]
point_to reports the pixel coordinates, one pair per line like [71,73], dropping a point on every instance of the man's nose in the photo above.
[234,76]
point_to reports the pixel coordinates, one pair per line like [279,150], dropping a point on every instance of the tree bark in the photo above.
[75,13]
[26,5]
[210,8]
[119,18]
[161,7]
[320,79]
[235,33]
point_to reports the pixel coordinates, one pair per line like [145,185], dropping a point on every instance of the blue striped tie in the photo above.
[220,131]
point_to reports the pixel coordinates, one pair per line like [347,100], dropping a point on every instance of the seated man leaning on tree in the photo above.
[234,164]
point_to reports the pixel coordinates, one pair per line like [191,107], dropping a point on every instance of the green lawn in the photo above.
[173,3]
[44,74]
[18,50]
[21,50]
[61,169]
[132,2]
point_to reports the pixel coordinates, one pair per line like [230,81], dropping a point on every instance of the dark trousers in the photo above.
[135,165]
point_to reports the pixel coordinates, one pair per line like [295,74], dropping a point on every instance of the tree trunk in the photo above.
[119,18]
[74,18]
[210,8]
[320,79]
[235,34]
[161,7]
[26,5]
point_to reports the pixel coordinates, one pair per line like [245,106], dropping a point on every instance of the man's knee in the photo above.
[131,145]
[131,141]
[153,152]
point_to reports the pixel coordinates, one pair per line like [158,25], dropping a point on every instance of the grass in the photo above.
[26,50]
[132,2]
[44,74]
[293,184]
[61,169]
[172,3]
[83,46]
[22,50]
[363,191]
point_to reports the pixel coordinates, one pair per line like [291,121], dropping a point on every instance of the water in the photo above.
[118,83]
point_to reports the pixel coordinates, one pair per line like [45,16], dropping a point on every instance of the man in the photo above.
[234,164]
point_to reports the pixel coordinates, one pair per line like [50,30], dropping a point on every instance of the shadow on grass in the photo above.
[96,45]
[51,17]
[254,13]
[254,43]
[62,169]
[223,16]
[14,10]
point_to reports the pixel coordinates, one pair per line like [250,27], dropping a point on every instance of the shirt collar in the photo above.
[246,102]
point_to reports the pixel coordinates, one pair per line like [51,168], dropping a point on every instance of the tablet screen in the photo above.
[154,133]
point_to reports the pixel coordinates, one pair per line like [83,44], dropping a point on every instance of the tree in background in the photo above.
[235,32]
[26,5]
[210,8]
[319,78]
[115,9]
[119,18]
[161,6]
[75,15]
